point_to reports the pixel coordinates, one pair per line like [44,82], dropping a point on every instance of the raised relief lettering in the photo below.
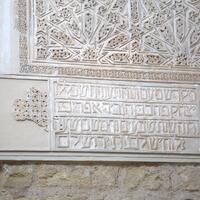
[116,116]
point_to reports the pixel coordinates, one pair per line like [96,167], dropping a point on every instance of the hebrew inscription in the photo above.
[125,116]
[34,108]
[122,79]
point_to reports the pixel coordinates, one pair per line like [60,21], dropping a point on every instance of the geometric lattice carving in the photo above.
[162,33]
[34,108]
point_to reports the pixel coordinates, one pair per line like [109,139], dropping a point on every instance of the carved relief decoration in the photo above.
[130,34]
[33,108]
[22,25]
[142,75]
[124,116]
[163,33]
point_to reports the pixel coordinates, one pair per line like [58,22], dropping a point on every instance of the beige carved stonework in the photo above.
[90,119]
[34,108]
[125,116]
[129,34]
[106,80]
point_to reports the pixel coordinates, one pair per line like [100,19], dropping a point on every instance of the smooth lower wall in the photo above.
[99,181]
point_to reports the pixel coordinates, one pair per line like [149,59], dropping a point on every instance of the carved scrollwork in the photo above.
[89,54]
[119,58]
[137,58]
[154,59]
[117,41]
[181,59]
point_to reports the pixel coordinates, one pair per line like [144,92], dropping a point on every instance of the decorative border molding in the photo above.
[135,75]
[88,157]
[22,24]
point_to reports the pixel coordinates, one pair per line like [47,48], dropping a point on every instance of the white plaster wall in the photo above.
[19,135]
[9,38]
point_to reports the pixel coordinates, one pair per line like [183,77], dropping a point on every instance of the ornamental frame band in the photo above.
[111,39]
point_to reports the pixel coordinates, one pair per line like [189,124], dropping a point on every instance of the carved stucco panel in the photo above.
[136,33]
[88,115]
[33,108]
[124,116]
[57,37]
